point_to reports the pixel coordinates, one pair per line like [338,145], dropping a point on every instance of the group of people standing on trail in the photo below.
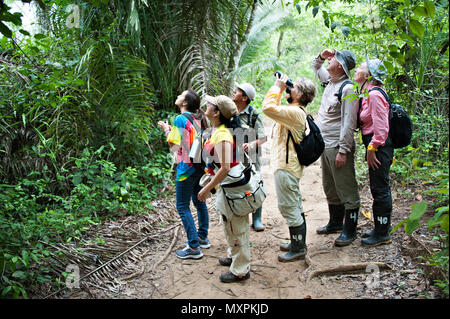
[338,118]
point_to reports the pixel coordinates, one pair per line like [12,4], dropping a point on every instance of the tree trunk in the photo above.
[238,44]
[280,39]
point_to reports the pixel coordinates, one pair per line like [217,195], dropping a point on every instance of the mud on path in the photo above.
[199,279]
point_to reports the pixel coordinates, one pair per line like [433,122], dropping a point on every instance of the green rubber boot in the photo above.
[256,217]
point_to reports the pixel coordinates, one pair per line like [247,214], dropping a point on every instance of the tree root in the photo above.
[347,268]
[334,270]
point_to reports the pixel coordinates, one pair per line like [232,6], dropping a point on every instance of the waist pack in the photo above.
[311,147]
[243,193]
[400,124]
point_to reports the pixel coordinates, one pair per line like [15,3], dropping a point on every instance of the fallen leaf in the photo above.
[366,213]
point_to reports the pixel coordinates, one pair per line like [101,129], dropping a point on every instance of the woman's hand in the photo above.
[281,82]
[203,194]
[372,160]
[164,126]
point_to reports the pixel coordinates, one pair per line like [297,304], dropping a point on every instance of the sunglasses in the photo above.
[288,90]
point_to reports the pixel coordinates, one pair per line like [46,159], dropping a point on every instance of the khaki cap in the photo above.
[226,105]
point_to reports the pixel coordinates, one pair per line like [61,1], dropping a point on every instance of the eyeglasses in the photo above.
[288,90]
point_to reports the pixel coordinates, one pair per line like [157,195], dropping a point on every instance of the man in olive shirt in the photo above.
[337,121]
[255,136]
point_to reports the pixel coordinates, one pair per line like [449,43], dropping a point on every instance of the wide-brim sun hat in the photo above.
[248,89]
[347,60]
[224,103]
[376,69]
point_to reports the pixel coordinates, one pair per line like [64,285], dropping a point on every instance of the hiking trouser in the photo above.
[339,184]
[185,191]
[379,179]
[237,234]
[289,198]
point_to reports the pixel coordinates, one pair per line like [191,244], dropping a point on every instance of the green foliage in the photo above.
[78,134]
[33,216]
[439,192]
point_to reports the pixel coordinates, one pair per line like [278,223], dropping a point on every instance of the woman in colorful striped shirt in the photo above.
[180,137]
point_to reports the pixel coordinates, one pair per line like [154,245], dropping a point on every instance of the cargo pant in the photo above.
[237,234]
[289,198]
[339,184]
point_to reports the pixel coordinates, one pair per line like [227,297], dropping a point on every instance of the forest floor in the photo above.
[158,273]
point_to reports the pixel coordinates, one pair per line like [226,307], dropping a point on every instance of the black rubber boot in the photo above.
[297,247]
[348,235]
[371,233]
[380,235]
[334,225]
[287,247]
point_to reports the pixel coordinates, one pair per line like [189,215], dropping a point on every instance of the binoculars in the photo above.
[288,82]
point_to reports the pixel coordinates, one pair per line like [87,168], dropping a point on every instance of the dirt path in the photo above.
[198,279]
[152,271]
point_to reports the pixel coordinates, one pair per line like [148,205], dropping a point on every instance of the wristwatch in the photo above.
[371,148]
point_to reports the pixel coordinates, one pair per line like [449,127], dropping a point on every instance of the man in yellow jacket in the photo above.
[284,163]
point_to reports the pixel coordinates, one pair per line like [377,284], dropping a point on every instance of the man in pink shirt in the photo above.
[374,125]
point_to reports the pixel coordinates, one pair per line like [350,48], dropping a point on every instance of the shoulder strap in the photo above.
[287,145]
[252,116]
[341,89]
[308,116]
[382,92]
[191,119]
[197,128]
[250,113]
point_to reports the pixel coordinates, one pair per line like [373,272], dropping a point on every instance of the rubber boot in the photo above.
[348,234]
[334,225]
[256,217]
[287,247]
[380,235]
[297,247]
[371,233]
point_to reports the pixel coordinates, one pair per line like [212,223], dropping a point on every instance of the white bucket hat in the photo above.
[248,89]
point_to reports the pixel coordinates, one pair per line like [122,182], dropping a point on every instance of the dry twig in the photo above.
[174,240]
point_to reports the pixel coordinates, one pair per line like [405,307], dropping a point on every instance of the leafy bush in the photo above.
[33,216]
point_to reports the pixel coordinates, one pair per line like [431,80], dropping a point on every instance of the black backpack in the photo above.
[400,124]
[310,148]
